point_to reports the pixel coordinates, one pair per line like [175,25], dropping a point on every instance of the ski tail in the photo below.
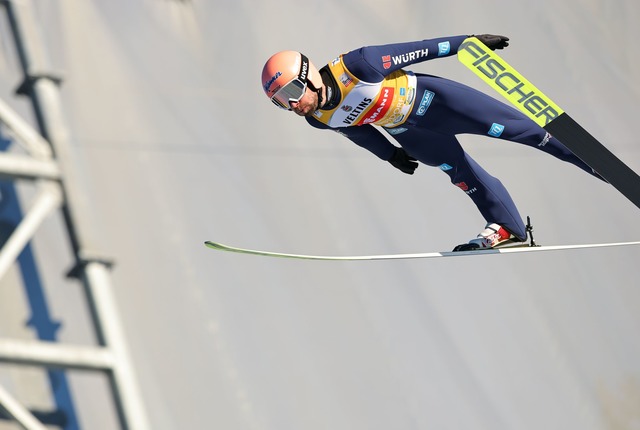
[503,78]
[597,156]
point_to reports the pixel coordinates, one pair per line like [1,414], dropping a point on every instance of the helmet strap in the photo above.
[319,98]
[317,91]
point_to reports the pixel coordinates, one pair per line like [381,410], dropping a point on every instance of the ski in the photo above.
[503,78]
[506,250]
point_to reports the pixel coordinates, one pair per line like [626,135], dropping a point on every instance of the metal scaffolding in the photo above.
[48,163]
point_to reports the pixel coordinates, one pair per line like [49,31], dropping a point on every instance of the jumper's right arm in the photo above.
[371,139]
[373,63]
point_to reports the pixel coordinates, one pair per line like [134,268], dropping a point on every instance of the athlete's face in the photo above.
[307,105]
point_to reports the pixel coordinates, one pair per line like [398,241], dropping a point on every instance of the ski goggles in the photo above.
[293,90]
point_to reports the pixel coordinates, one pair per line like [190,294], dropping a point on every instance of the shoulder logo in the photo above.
[408,57]
[386,61]
[444,48]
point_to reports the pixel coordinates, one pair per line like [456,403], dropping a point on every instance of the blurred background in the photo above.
[171,142]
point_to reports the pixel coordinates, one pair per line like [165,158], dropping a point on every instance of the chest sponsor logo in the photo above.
[355,113]
[410,96]
[382,106]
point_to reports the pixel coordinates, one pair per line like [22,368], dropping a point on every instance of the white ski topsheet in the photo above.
[507,250]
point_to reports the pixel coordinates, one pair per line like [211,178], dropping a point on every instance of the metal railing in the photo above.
[49,165]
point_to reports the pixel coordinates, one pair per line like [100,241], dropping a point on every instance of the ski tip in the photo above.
[219,246]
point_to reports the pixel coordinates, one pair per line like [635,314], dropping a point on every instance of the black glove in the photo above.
[403,161]
[493,41]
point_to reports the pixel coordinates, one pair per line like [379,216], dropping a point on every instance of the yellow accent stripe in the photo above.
[507,81]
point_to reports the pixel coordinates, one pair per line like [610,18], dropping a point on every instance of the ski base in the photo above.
[505,250]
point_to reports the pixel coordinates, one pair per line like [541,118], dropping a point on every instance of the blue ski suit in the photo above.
[424,113]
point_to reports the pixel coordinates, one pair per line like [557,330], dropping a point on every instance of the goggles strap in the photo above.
[303,75]
[304,68]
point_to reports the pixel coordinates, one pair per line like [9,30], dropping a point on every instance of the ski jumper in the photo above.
[424,113]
